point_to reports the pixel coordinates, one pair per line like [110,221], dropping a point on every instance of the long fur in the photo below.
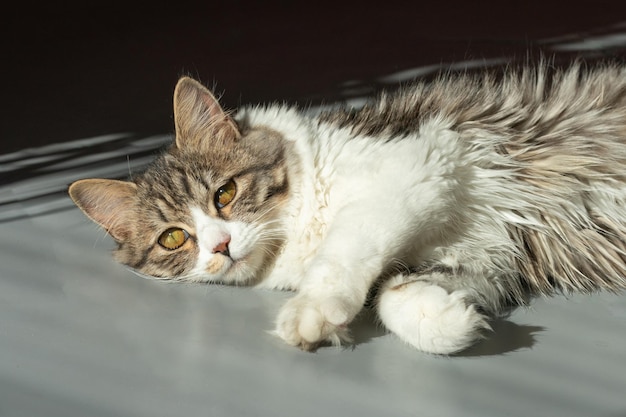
[447,202]
[560,137]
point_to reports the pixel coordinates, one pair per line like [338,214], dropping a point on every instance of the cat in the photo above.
[442,205]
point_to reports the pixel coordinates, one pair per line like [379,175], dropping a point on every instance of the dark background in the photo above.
[71,71]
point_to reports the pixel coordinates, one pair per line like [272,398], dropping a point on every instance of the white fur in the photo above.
[355,215]
[428,317]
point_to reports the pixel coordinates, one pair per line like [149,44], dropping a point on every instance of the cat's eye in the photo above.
[225,194]
[173,238]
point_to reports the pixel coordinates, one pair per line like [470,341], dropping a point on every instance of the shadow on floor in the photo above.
[506,336]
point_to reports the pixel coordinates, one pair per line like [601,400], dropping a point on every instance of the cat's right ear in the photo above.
[196,112]
[110,203]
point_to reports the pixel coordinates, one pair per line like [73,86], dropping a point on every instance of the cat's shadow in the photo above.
[506,336]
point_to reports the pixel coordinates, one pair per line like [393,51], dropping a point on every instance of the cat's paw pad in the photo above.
[307,322]
[431,319]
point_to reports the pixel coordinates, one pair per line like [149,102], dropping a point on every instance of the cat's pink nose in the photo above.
[223,247]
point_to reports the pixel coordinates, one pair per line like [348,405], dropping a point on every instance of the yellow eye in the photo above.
[225,194]
[173,238]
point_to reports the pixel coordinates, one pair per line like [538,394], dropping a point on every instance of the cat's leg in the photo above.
[433,319]
[328,300]
[308,320]
[336,284]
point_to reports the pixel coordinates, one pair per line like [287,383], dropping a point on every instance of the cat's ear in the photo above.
[197,111]
[110,203]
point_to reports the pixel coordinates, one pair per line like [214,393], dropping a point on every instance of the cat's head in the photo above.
[207,209]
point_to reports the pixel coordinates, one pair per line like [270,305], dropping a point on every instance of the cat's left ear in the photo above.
[110,203]
[197,111]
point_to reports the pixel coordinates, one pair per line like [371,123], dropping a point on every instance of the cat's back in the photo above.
[511,99]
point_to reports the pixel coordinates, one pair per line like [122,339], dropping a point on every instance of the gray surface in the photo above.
[83,336]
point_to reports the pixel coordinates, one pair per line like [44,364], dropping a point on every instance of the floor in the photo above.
[82,336]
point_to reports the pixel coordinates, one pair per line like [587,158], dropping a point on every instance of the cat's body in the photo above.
[447,202]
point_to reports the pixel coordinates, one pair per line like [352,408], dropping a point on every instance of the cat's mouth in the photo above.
[240,268]
[226,262]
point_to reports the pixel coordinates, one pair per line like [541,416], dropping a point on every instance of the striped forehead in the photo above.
[172,194]
[186,177]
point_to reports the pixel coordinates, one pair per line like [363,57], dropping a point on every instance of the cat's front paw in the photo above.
[308,322]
